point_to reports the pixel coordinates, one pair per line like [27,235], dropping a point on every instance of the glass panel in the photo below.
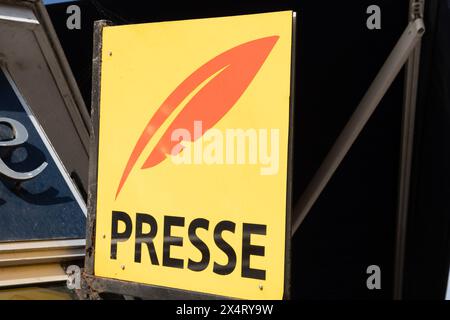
[43,208]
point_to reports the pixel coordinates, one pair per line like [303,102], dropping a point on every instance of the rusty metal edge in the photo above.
[100,285]
[290,166]
[93,149]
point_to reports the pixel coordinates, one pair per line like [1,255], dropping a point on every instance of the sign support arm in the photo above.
[392,66]
[407,142]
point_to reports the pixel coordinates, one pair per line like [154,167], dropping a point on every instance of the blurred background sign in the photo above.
[47,207]
[42,220]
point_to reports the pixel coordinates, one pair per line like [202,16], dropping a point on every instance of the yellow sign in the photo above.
[193,154]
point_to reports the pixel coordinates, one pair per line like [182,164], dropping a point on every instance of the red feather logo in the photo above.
[233,71]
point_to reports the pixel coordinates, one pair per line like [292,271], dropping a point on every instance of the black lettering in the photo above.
[225,247]
[199,244]
[115,235]
[146,238]
[172,241]
[248,250]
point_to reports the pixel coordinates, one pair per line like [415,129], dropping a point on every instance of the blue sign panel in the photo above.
[38,200]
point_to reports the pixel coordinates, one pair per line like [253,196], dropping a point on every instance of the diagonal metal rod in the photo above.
[409,111]
[394,63]
[407,142]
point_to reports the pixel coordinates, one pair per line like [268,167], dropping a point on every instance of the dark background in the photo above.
[352,225]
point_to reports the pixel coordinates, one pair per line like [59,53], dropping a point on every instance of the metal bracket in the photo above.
[86,292]
[416,9]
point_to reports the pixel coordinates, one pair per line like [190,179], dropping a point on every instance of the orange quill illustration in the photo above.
[233,71]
